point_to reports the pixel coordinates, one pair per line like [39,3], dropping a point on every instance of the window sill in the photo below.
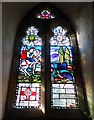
[52,114]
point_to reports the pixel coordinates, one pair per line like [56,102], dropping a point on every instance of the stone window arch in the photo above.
[45,77]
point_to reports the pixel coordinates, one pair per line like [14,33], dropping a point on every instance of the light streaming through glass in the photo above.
[63,89]
[28,91]
[45,14]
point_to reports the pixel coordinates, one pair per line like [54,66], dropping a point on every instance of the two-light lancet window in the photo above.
[63,94]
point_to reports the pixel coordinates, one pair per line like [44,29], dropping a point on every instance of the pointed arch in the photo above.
[55,47]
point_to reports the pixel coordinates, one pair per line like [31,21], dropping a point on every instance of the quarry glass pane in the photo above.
[62,75]
[28,91]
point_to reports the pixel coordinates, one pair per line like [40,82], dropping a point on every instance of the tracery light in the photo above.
[45,14]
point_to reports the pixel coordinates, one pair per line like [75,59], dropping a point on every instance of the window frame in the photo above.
[28,20]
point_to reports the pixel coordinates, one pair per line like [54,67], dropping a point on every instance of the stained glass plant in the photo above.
[45,14]
[28,91]
[63,90]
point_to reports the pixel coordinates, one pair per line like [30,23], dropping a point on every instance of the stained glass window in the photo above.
[28,90]
[63,89]
[45,14]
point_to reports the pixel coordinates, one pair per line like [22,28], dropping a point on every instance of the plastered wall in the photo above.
[84,34]
[80,15]
[0,59]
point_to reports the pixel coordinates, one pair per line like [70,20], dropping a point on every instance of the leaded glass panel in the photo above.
[28,91]
[63,90]
[45,14]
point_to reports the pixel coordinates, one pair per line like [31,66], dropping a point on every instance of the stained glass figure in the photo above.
[45,14]
[30,57]
[29,76]
[62,76]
